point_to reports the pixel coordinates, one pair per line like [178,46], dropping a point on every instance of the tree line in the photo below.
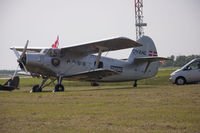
[179,61]
[6,72]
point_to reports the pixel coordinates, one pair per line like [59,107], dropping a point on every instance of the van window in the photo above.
[194,65]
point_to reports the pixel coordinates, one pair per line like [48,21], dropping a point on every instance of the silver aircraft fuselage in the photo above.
[70,64]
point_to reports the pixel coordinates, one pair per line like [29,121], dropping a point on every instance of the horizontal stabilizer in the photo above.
[93,75]
[150,59]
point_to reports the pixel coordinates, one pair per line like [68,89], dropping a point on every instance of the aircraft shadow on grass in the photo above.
[103,89]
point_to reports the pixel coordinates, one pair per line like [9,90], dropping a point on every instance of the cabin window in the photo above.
[117,68]
[79,63]
[73,62]
[68,61]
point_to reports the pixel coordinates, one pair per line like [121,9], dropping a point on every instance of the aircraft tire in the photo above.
[36,89]
[94,84]
[59,87]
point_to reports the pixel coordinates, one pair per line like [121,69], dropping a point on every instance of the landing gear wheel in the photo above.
[36,88]
[58,87]
[94,84]
[180,81]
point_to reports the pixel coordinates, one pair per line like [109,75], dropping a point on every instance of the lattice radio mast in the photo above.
[139,19]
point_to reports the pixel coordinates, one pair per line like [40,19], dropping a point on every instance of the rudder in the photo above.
[148,49]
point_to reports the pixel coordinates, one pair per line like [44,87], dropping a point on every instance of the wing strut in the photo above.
[101,49]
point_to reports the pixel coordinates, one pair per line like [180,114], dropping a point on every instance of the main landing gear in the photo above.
[58,87]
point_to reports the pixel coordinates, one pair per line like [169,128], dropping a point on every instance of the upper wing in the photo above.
[91,75]
[105,45]
[34,49]
[89,48]
[150,59]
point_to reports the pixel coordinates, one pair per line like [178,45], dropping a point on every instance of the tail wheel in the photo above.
[36,88]
[94,84]
[135,83]
[59,87]
[180,81]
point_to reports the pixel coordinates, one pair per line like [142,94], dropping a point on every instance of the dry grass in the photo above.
[107,109]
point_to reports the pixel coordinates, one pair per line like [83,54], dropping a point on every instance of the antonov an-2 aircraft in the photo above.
[80,63]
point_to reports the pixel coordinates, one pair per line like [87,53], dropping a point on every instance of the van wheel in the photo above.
[180,81]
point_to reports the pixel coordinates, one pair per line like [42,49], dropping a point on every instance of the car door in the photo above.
[193,74]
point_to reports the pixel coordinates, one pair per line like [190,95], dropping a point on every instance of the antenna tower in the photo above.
[139,19]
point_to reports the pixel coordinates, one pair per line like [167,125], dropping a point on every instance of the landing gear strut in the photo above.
[59,86]
[38,88]
[135,83]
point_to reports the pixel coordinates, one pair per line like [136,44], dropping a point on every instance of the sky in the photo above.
[172,24]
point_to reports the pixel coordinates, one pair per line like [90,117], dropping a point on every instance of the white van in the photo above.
[189,73]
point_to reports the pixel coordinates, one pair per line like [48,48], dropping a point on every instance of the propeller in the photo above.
[24,51]
[21,59]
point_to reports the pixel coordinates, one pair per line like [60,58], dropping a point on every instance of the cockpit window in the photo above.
[44,51]
[54,52]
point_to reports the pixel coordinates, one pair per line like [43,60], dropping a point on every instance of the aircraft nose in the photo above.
[32,58]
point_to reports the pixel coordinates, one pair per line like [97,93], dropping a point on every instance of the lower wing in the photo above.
[91,75]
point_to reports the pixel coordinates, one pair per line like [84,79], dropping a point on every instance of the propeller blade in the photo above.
[24,67]
[24,51]
[16,53]
[15,72]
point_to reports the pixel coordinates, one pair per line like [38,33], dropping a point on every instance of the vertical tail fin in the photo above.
[148,49]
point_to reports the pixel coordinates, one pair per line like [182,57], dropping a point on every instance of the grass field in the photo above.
[155,106]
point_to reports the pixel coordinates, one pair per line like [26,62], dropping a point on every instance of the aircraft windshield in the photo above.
[53,52]
[44,51]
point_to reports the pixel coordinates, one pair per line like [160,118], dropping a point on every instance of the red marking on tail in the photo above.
[150,53]
[155,53]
